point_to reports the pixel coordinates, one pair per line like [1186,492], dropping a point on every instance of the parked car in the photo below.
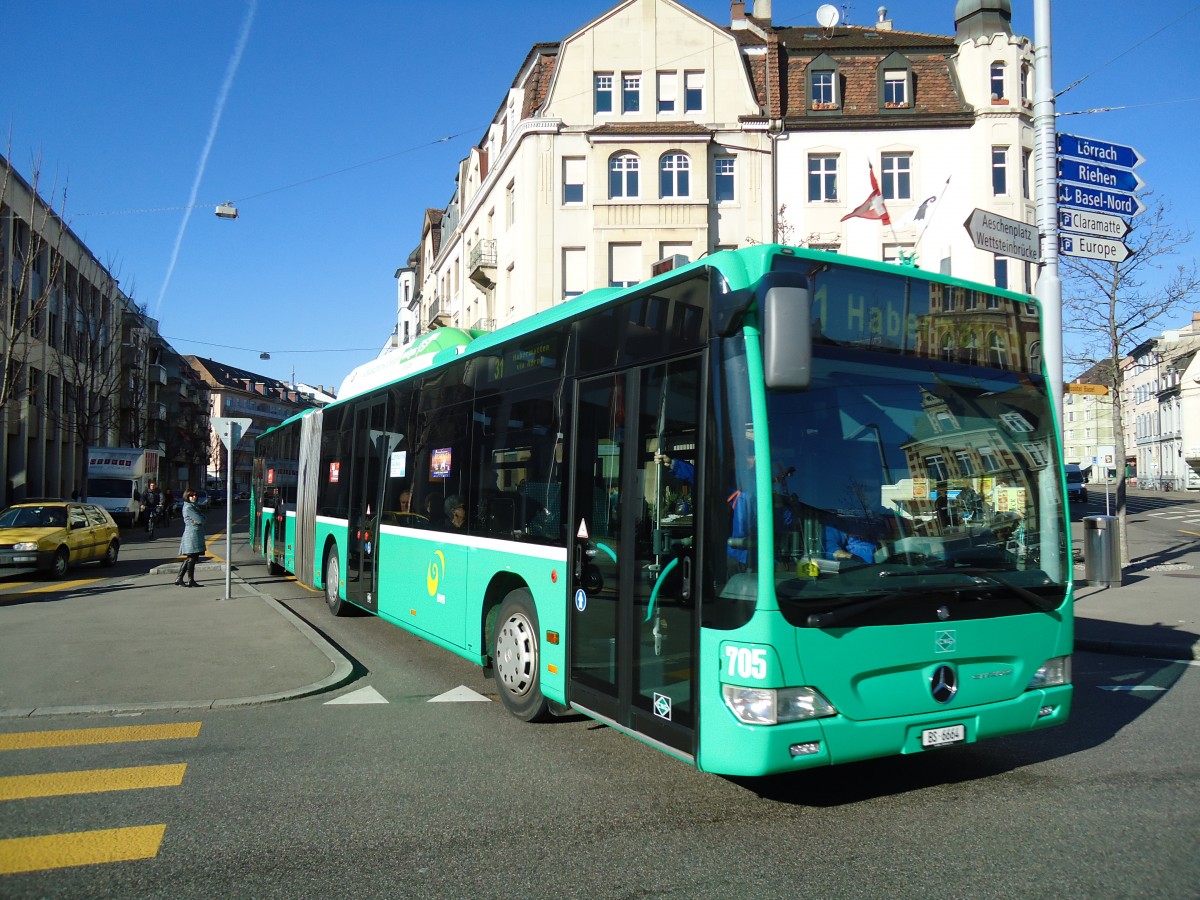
[51,536]
[1076,485]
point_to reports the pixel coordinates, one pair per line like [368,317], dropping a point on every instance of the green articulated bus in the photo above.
[769,510]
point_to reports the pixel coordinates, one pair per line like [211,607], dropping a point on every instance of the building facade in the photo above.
[241,394]
[1162,391]
[652,132]
[60,337]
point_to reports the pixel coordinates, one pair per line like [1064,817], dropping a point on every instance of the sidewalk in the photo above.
[142,643]
[1155,611]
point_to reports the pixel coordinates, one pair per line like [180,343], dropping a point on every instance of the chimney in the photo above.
[737,13]
[762,10]
[884,23]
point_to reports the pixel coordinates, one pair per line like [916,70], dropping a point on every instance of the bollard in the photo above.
[1101,551]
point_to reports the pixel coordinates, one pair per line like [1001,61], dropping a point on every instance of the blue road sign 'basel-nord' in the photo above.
[1099,151]
[1076,171]
[1117,204]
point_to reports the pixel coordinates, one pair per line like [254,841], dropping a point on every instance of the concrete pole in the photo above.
[1049,286]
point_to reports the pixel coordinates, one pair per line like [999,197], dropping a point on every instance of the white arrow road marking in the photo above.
[1130,687]
[362,695]
[460,694]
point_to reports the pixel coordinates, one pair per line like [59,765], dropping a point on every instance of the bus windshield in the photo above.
[910,480]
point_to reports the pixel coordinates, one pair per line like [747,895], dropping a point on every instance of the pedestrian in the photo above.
[192,543]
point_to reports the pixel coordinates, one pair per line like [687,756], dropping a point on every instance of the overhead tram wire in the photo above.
[188,340]
[275,190]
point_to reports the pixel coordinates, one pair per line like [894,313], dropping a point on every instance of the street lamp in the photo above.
[227,210]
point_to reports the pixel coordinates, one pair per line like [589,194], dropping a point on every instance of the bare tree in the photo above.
[1113,307]
[31,263]
[88,362]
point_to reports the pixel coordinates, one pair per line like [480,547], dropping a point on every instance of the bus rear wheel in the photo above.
[333,575]
[516,665]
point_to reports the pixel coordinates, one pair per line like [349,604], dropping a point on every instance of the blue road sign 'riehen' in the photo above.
[1111,202]
[1099,151]
[1076,171]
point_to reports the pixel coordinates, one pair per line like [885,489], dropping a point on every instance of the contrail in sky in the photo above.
[230,72]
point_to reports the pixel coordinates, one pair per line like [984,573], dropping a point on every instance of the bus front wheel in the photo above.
[333,574]
[515,658]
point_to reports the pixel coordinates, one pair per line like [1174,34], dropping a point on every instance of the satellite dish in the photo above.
[828,15]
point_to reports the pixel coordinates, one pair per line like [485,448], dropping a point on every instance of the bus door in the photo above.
[634,590]
[366,493]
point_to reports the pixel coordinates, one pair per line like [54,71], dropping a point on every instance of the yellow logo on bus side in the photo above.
[433,575]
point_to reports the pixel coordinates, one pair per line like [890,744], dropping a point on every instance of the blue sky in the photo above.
[325,123]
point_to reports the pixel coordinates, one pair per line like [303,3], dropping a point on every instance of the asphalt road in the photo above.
[389,794]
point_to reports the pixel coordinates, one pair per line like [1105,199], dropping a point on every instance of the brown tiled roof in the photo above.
[813,39]
[537,86]
[664,128]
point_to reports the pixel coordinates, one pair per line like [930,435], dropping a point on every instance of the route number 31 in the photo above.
[745,662]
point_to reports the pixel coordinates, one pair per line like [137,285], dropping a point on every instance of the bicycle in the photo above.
[152,517]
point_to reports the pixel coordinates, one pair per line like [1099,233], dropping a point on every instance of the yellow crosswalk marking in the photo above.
[80,848]
[77,737]
[92,781]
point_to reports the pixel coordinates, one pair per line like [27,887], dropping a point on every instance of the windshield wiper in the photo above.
[989,575]
[833,616]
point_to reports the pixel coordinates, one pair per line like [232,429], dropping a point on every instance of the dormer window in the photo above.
[896,83]
[824,92]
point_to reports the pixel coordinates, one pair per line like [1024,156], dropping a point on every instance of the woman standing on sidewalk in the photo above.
[192,544]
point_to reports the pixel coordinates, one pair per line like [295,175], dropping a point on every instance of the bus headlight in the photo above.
[25,545]
[1053,672]
[771,706]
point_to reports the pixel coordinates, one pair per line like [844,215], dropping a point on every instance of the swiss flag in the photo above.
[872,207]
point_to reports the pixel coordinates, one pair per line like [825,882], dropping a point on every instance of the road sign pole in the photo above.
[230,431]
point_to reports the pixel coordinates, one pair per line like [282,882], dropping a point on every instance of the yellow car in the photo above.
[50,536]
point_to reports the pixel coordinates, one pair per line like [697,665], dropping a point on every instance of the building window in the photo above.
[510,203]
[723,181]
[895,88]
[667,249]
[573,169]
[673,175]
[999,171]
[822,178]
[1000,268]
[631,93]
[624,264]
[1025,92]
[936,465]
[823,89]
[895,170]
[574,272]
[997,357]
[966,465]
[693,96]
[991,462]
[948,347]
[1025,155]
[1016,423]
[997,81]
[623,176]
[668,91]
[604,92]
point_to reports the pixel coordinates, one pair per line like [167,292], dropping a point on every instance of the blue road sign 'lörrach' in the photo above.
[1099,151]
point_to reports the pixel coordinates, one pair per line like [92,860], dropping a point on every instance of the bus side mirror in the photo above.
[787,338]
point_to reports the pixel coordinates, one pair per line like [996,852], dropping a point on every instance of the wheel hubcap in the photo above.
[516,654]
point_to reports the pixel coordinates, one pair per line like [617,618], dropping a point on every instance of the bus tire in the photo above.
[516,664]
[273,568]
[333,574]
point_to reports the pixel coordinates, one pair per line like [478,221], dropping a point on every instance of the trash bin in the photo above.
[1101,550]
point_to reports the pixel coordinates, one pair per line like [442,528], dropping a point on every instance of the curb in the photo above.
[342,671]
